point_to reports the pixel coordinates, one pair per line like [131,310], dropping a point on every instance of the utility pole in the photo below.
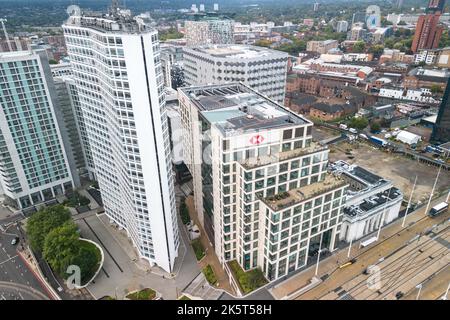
[409,202]
[2,21]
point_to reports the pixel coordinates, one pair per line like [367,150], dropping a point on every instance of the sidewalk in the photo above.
[210,257]
[330,264]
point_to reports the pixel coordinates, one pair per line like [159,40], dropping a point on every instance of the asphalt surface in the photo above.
[17,281]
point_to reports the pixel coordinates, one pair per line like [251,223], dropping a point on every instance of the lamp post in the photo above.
[384,212]
[409,202]
[318,254]
[432,190]
[419,286]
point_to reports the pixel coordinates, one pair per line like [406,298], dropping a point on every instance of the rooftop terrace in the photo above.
[295,196]
[237,51]
[235,109]
[122,21]
[251,163]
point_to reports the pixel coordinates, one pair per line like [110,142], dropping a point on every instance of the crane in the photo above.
[2,21]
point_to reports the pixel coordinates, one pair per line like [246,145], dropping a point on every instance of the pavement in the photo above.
[210,257]
[124,272]
[200,288]
[393,238]
[17,279]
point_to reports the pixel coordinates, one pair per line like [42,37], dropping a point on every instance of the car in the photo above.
[399,295]
[15,241]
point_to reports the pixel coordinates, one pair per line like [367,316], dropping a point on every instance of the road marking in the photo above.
[8,260]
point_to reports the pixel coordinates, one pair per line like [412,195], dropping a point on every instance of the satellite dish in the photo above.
[73,10]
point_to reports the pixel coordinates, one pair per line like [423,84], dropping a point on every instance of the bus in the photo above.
[438,209]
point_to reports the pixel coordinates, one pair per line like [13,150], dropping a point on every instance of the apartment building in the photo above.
[321,46]
[36,163]
[205,29]
[119,81]
[262,69]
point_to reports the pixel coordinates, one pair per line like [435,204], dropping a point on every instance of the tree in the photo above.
[52,61]
[359,47]
[76,199]
[44,221]
[87,260]
[60,247]
[435,89]
[377,49]
[172,33]
[375,126]
[184,212]
[358,123]
[263,43]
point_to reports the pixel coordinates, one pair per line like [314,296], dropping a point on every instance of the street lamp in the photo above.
[432,190]
[409,202]
[419,286]
[318,254]
[446,292]
[384,212]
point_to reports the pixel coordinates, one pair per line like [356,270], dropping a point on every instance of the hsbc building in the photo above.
[261,188]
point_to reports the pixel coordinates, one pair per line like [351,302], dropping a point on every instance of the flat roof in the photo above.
[235,108]
[237,51]
[376,201]
[357,173]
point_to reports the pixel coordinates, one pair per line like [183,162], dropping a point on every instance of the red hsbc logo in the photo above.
[256,139]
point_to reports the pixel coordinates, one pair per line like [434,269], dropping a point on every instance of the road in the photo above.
[17,281]
[403,262]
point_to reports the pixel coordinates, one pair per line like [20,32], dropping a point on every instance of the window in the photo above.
[299,132]
[287,134]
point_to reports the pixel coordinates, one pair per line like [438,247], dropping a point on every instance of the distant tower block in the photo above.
[194,8]
[373,17]
[202,7]
[316,6]
[216,7]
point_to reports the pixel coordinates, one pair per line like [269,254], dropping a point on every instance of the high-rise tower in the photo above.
[117,71]
[36,162]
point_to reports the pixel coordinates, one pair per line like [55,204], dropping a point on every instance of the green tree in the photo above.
[87,259]
[377,49]
[52,61]
[375,126]
[44,221]
[172,33]
[359,47]
[358,123]
[435,89]
[61,247]
[263,43]
[184,212]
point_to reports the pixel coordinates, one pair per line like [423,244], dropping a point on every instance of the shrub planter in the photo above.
[99,266]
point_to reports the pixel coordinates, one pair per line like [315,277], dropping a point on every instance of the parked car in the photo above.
[15,241]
